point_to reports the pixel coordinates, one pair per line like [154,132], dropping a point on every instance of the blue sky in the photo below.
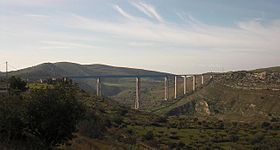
[179,36]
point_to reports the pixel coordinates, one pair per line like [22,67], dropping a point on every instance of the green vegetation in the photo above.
[57,114]
[17,85]
[39,86]
[193,133]
[44,117]
[52,114]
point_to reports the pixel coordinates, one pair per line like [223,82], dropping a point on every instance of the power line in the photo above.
[12,67]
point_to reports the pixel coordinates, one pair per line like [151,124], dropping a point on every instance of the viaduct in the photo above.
[138,83]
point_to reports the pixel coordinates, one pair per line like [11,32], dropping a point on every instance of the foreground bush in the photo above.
[47,116]
[12,113]
[53,114]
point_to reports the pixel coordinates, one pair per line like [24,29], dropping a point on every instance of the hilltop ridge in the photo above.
[62,69]
[240,95]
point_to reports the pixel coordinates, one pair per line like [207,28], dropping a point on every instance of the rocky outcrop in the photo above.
[186,109]
[251,80]
[198,107]
[202,108]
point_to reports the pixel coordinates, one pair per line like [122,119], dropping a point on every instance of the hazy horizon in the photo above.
[177,36]
[12,68]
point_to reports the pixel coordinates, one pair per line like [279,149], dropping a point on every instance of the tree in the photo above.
[92,126]
[12,111]
[149,135]
[17,85]
[52,114]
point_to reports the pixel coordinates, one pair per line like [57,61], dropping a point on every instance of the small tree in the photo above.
[92,126]
[17,85]
[12,111]
[53,114]
[149,135]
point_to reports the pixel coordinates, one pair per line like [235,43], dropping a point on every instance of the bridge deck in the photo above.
[126,76]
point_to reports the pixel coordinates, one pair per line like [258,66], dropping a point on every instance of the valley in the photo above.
[234,110]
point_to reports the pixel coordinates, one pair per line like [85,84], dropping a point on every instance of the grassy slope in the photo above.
[136,124]
[229,103]
[193,136]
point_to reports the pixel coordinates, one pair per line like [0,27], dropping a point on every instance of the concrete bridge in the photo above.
[138,83]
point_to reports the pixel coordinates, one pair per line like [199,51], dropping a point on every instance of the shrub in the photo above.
[233,138]
[12,111]
[257,138]
[17,85]
[149,135]
[265,125]
[53,114]
[181,145]
[92,126]
[172,145]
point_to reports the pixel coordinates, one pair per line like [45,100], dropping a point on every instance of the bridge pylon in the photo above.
[138,88]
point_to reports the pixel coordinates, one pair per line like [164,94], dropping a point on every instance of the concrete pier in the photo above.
[185,84]
[194,82]
[166,89]
[175,87]
[137,103]
[98,87]
[202,79]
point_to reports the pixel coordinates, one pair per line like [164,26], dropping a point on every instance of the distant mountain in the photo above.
[63,69]
[271,69]
[66,69]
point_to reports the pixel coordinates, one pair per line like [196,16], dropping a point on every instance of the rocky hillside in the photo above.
[251,80]
[243,95]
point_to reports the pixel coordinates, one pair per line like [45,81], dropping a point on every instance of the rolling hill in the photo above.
[270,69]
[242,95]
[230,95]
[110,87]
[64,69]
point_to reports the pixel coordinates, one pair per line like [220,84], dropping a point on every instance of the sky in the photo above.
[177,36]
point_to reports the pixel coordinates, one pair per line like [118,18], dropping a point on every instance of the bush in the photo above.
[255,139]
[92,126]
[266,125]
[181,145]
[12,124]
[233,138]
[53,114]
[172,145]
[17,85]
[149,135]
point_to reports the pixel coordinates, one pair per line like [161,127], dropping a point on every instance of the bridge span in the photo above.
[166,78]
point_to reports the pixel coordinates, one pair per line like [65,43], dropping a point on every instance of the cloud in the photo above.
[37,16]
[66,45]
[76,37]
[30,2]
[246,36]
[148,9]
[123,13]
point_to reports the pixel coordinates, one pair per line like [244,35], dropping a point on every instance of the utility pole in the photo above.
[7,77]
[6,70]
